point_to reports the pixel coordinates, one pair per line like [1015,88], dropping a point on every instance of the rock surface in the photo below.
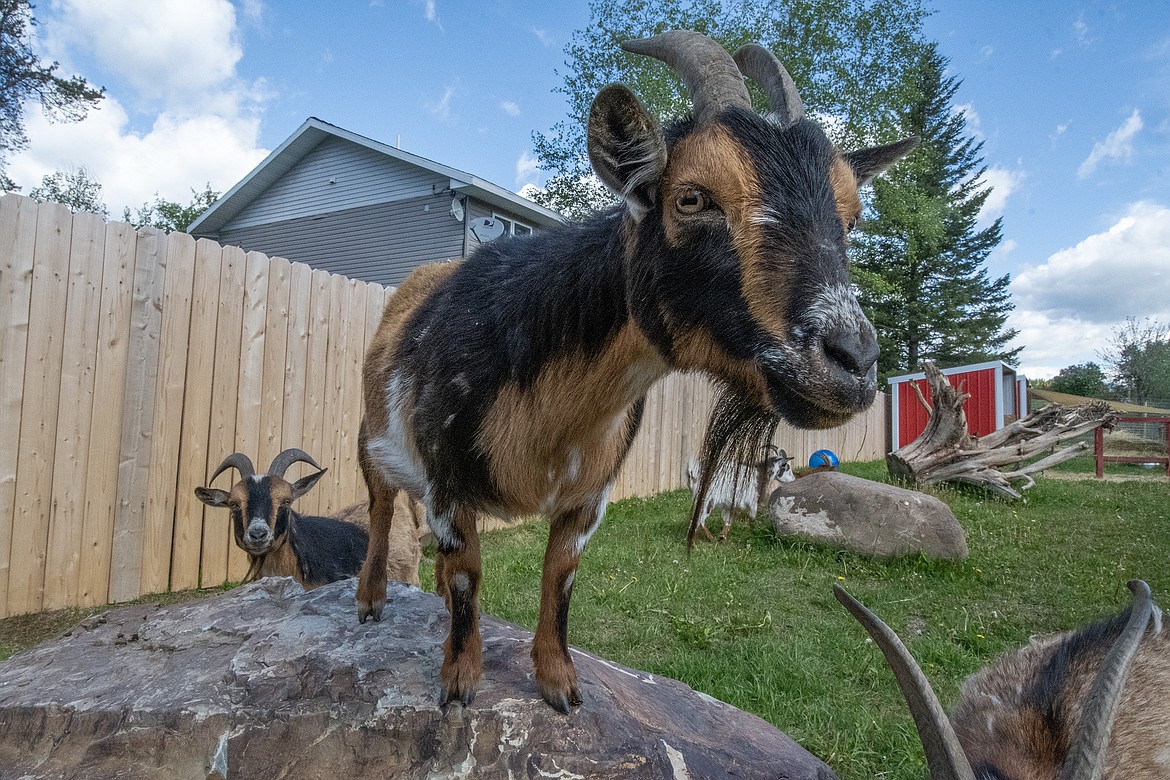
[867,517]
[270,681]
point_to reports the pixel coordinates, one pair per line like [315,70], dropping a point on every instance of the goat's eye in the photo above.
[692,202]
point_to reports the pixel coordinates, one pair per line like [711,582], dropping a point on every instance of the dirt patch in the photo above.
[1076,477]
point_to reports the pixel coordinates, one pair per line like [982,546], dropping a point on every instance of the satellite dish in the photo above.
[457,209]
[486,229]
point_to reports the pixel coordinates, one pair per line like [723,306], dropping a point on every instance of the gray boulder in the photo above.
[271,681]
[867,517]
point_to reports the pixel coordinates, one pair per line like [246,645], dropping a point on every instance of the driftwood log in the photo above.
[947,452]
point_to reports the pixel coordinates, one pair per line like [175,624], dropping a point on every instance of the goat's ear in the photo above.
[212,496]
[867,163]
[305,484]
[626,147]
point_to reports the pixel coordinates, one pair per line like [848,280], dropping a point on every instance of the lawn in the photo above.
[752,621]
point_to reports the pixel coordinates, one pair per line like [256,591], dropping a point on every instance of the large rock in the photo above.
[270,681]
[867,517]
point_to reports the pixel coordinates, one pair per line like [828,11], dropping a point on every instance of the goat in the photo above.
[1058,708]
[279,541]
[737,487]
[513,382]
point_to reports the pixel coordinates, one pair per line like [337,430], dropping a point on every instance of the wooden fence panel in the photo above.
[38,424]
[102,473]
[275,356]
[75,416]
[169,389]
[221,442]
[194,455]
[317,350]
[18,222]
[296,358]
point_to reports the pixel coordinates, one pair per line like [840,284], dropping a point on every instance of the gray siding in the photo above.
[338,175]
[380,243]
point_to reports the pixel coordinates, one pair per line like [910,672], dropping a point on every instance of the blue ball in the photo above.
[823,458]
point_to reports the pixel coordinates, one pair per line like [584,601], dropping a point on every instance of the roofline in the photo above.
[958,370]
[229,204]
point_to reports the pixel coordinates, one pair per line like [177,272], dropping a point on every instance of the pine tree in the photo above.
[920,261]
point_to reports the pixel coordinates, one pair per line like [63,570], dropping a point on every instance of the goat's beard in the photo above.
[739,431]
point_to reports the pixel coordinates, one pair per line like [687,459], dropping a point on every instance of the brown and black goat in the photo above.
[1089,704]
[737,487]
[279,541]
[514,382]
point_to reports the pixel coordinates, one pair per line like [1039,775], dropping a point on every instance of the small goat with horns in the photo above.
[279,541]
[514,382]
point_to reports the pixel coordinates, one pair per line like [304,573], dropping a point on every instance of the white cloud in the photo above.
[432,14]
[1003,183]
[543,36]
[527,168]
[179,61]
[1081,30]
[1067,307]
[176,52]
[442,107]
[1117,145]
[510,108]
[970,115]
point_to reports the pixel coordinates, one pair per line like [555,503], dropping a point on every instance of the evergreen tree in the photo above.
[920,261]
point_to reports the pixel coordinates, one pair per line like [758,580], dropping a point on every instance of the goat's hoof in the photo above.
[561,699]
[366,611]
[456,694]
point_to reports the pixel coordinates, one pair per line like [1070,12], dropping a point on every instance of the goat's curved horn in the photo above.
[705,67]
[764,68]
[944,755]
[285,459]
[237,460]
[1086,755]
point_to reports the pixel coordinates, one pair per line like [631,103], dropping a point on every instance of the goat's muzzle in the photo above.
[257,538]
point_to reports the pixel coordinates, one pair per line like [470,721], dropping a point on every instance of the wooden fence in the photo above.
[132,362]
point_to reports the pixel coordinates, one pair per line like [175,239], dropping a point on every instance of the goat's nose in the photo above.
[257,532]
[854,349]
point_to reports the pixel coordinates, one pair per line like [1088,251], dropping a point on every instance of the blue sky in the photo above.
[1072,101]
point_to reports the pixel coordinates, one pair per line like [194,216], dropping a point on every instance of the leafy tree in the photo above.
[169,215]
[24,77]
[848,58]
[74,188]
[1139,360]
[920,261]
[1084,379]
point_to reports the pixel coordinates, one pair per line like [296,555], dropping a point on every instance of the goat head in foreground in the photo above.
[279,541]
[513,382]
[1083,705]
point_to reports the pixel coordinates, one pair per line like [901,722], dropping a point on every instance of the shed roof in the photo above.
[313,132]
[955,370]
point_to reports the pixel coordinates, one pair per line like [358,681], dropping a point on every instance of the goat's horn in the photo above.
[944,755]
[1086,755]
[237,460]
[705,67]
[763,67]
[285,459]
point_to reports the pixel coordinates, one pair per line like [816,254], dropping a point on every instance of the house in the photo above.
[998,394]
[349,205]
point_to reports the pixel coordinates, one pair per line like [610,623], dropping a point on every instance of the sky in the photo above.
[1070,99]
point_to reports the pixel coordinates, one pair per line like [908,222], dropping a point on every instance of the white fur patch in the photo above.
[583,538]
[394,453]
[461,582]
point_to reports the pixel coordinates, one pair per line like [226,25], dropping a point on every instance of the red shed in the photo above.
[998,395]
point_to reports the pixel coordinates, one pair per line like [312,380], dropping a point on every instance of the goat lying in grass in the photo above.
[514,382]
[738,487]
[282,543]
[1088,704]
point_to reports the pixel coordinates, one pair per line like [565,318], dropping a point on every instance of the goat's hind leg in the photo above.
[555,674]
[371,589]
[457,577]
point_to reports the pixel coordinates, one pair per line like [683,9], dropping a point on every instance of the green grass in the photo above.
[753,622]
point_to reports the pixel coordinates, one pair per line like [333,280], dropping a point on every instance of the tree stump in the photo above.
[946,452]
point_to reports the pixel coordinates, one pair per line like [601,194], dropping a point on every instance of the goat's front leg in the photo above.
[371,589]
[727,515]
[457,578]
[555,674]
